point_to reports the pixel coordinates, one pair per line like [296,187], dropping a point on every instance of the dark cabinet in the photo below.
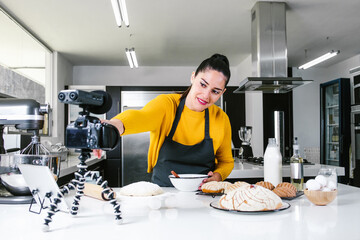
[234,106]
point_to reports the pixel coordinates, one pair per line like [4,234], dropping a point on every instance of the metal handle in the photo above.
[357,128]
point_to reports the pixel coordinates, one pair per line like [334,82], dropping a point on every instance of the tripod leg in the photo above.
[53,206]
[80,180]
[52,211]
[110,194]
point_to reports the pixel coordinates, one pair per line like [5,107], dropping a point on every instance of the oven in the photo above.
[355,145]
[355,89]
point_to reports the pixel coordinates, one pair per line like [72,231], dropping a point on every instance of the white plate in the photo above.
[215,204]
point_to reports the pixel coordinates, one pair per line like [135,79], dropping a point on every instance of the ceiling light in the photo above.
[319,59]
[120,12]
[131,57]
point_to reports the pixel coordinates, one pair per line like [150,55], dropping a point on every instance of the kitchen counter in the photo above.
[70,165]
[248,170]
[189,216]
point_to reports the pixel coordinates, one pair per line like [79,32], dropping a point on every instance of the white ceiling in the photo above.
[182,33]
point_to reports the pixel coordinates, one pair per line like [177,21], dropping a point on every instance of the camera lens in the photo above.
[61,96]
[73,96]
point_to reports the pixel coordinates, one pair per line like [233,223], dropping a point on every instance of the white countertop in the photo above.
[189,217]
[248,170]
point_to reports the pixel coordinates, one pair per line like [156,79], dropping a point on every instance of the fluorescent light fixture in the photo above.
[131,57]
[120,12]
[319,59]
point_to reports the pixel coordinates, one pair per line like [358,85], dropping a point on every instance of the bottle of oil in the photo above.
[297,169]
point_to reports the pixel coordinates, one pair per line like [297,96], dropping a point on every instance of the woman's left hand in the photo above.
[213,176]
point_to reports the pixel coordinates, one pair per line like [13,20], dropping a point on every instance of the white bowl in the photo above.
[187,182]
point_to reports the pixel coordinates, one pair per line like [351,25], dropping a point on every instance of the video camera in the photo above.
[87,132]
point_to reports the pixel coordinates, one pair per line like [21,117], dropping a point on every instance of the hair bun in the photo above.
[221,57]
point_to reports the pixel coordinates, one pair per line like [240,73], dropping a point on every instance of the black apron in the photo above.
[198,158]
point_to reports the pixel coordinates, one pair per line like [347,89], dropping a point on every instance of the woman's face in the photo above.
[207,87]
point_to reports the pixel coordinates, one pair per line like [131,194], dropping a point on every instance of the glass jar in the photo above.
[330,176]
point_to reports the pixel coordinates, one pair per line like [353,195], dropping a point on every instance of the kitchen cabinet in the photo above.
[234,107]
[335,124]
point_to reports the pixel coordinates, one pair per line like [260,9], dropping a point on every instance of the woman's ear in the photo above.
[192,78]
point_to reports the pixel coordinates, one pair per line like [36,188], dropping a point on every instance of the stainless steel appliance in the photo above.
[355,146]
[134,147]
[269,51]
[23,114]
[335,124]
[245,150]
[355,86]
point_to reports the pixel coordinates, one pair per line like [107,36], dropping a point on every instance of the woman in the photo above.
[188,133]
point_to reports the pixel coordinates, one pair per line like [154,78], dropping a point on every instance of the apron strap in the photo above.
[177,119]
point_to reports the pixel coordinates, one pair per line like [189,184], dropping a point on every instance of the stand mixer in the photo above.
[23,114]
[245,134]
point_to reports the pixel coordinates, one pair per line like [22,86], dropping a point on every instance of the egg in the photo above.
[322,180]
[326,189]
[331,185]
[313,185]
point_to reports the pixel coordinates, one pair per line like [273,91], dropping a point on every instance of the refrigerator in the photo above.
[134,147]
[335,125]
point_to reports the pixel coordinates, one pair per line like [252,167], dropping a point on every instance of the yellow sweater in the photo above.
[157,118]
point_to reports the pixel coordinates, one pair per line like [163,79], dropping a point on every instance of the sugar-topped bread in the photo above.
[287,185]
[285,191]
[250,198]
[141,189]
[214,187]
[235,186]
[267,185]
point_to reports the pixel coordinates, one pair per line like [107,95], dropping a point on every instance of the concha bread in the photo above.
[214,187]
[267,185]
[250,198]
[141,189]
[284,192]
[235,186]
[287,185]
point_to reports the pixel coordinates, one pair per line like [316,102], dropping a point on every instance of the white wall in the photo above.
[147,76]
[306,99]
[62,75]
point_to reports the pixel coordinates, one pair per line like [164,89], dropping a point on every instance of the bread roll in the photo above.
[284,192]
[214,187]
[267,185]
[250,198]
[288,185]
[235,186]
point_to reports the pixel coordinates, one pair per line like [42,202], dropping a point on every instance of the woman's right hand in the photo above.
[97,153]
[116,123]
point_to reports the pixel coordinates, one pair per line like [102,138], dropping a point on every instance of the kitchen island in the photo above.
[185,215]
[248,170]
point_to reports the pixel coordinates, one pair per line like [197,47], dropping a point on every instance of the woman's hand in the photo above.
[116,123]
[213,176]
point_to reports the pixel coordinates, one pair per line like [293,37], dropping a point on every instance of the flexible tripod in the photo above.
[78,184]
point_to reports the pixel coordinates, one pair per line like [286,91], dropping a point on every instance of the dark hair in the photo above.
[216,62]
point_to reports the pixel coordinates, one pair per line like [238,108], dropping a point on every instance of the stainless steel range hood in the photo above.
[269,51]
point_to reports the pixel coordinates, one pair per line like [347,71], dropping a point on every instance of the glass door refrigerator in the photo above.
[335,124]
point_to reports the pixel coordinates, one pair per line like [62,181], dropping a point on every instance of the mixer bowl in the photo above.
[14,182]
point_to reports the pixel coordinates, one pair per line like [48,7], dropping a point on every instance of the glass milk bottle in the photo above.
[272,163]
